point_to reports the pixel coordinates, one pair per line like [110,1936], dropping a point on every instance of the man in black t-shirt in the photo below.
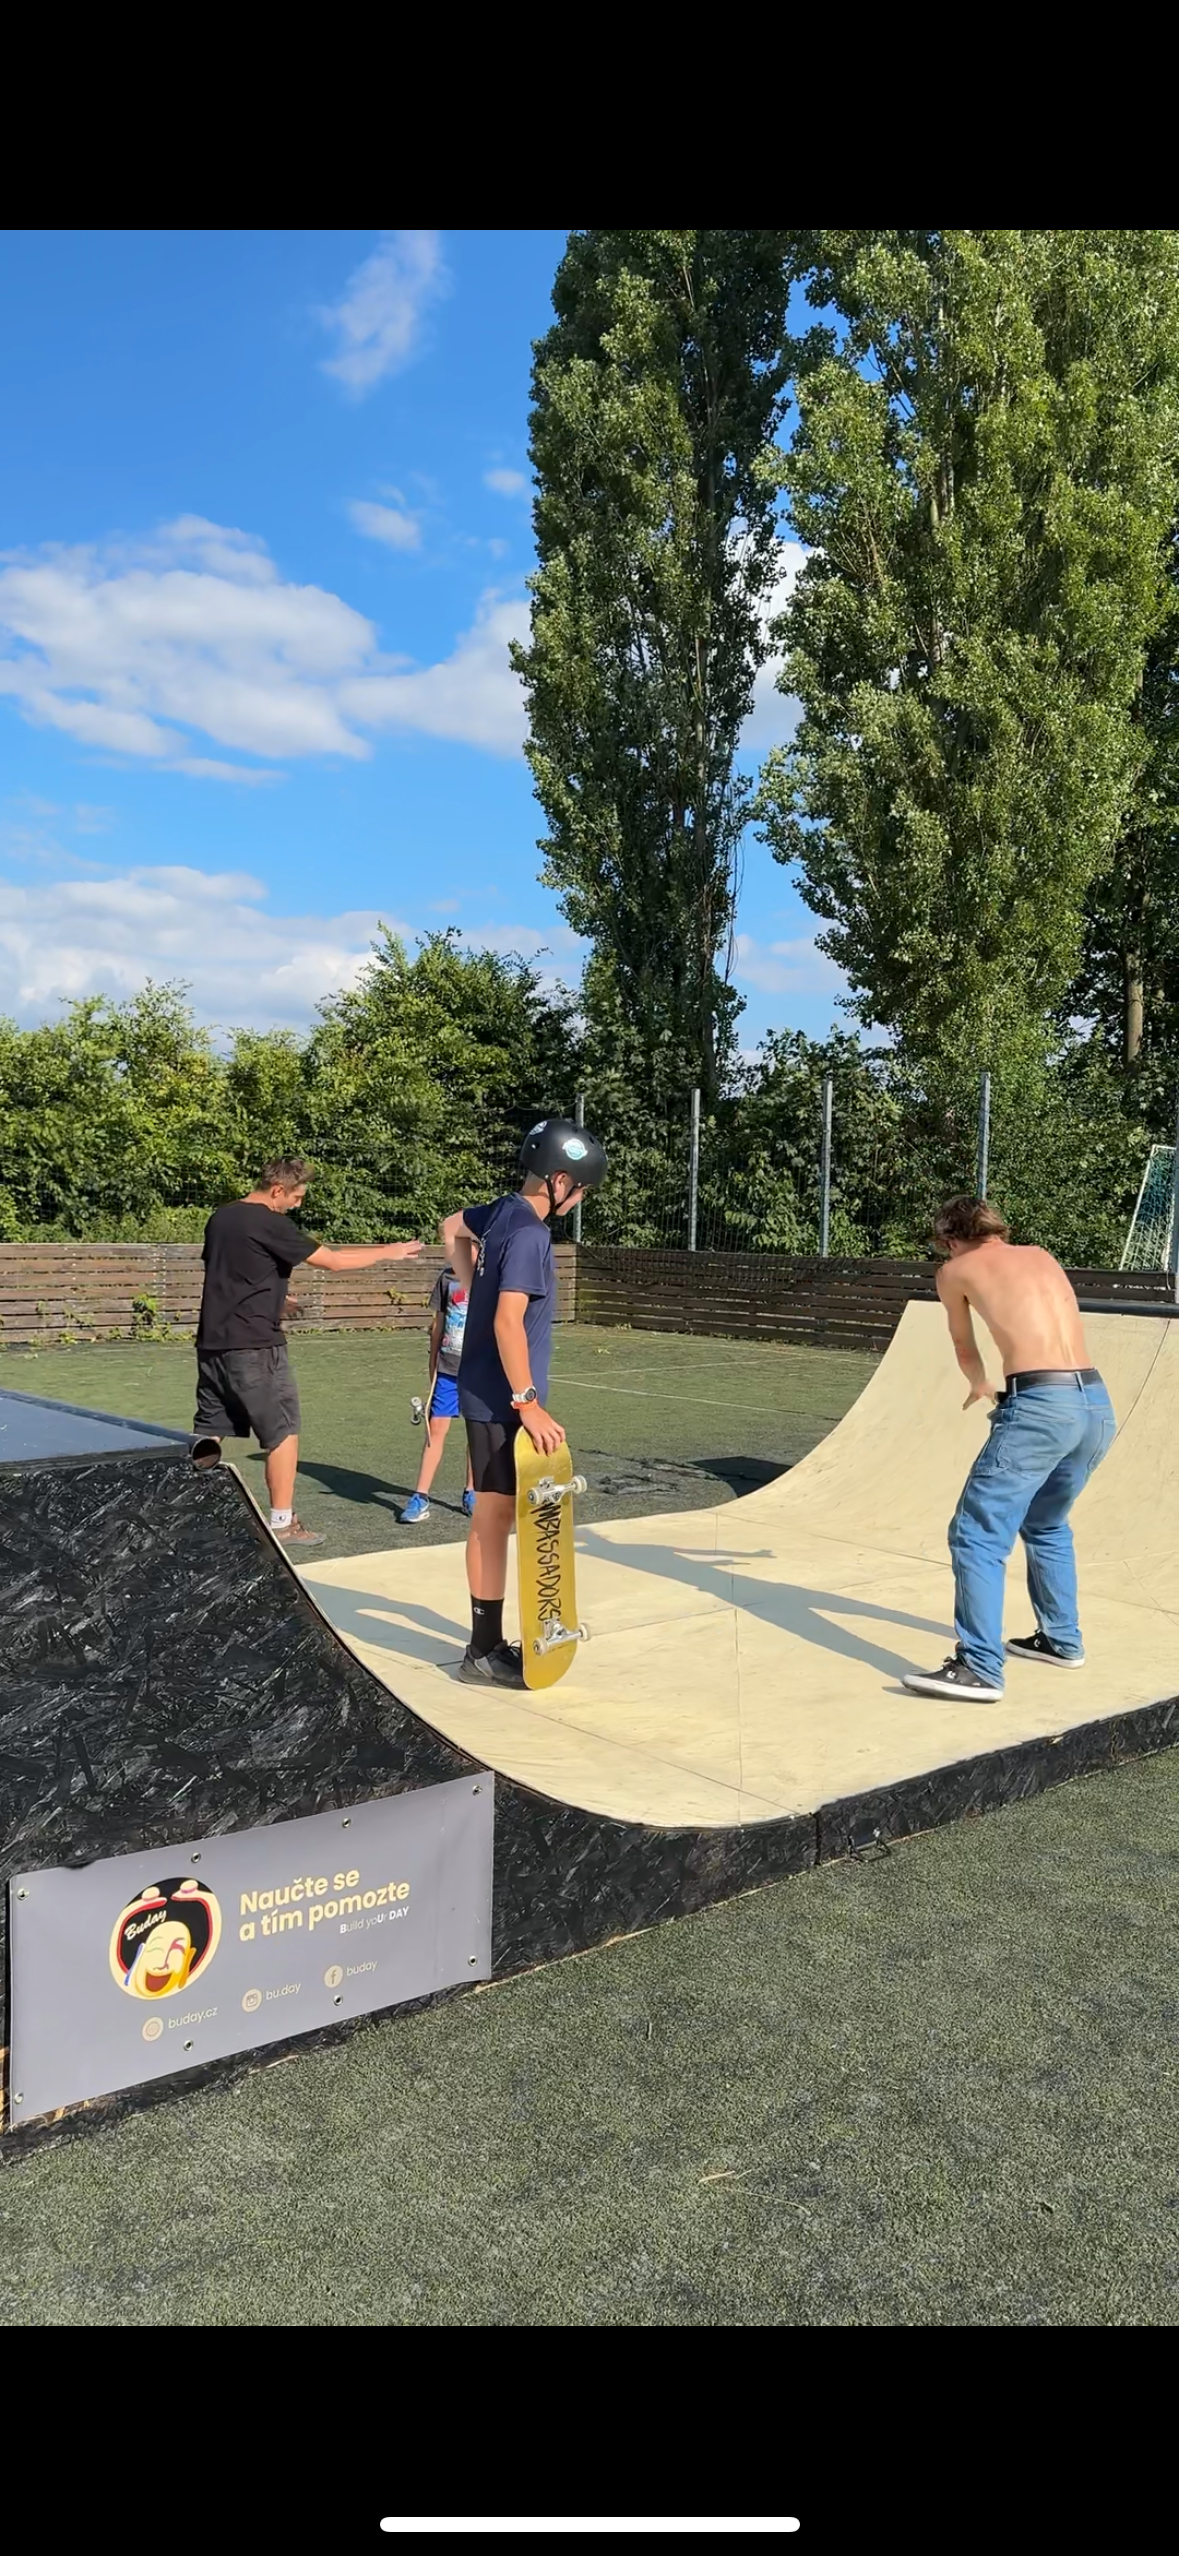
[244,1379]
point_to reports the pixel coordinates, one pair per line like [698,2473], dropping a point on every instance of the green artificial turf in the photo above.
[938,2087]
[655,1421]
[932,2089]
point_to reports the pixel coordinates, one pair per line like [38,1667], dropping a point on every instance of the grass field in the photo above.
[933,2088]
[936,2089]
[655,1422]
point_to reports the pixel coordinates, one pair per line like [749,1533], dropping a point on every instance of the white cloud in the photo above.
[387,523]
[150,652]
[506,483]
[108,935]
[378,319]
[245,966]
[784,967]
[27,836]
[526,940]
[472,696]
[556,953]
[774,716]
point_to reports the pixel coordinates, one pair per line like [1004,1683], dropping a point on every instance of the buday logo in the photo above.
[165,1937]
[574,1148]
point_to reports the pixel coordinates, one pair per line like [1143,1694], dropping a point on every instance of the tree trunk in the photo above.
[1133,1006]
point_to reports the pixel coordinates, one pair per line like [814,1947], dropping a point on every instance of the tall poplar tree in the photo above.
[983,474]
[657,394]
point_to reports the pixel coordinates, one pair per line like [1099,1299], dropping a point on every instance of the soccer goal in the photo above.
[1150,1243]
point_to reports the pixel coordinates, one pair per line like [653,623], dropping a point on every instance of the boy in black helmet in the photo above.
[505,1253]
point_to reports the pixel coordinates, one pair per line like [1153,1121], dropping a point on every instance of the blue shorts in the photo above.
[445,1404]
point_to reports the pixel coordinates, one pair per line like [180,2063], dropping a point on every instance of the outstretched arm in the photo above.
[966,1348]
[360,1255]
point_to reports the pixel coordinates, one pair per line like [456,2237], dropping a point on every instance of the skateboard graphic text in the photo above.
[549,1631]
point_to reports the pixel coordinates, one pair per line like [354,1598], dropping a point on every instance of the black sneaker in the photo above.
[502,1667]
[955,1678]
[1036,1646]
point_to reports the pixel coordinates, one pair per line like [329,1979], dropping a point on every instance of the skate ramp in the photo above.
[32,1426]
[745,1661]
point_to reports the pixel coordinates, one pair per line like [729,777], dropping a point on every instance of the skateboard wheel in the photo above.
[578,1483]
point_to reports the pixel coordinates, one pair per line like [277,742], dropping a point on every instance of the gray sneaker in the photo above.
[502,1667]
[296,1534]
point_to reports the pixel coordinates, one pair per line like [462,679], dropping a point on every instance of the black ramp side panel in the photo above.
[166,1676]
[163,1674]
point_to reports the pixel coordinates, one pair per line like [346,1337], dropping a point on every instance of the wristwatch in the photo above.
[528,1395]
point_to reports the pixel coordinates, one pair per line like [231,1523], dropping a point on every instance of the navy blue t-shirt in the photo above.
[515,1258]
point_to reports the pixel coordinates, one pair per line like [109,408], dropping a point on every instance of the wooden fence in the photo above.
[104,1291]
[835,1304]
[122,1291]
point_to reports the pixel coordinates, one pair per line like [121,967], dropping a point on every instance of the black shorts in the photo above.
[247,1391]
[493,1454]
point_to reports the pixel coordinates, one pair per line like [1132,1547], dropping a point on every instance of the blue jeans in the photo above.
[1043,1446]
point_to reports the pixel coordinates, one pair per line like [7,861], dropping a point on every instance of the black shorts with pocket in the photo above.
[492,1445]
[247,1391]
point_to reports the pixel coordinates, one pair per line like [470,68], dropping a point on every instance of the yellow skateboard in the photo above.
[546,1486]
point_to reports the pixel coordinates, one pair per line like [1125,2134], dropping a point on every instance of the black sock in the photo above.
[487,1624]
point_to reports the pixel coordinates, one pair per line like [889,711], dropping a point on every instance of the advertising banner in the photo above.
[141,1965]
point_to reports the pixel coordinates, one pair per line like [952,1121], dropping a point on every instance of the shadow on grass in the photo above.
[617,1476]
[372,1490]
[626,1474]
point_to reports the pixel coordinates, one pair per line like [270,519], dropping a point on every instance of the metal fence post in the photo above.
[694,1170]
[825,1172]
[983,1156]
[1175,1211]
[579,1113]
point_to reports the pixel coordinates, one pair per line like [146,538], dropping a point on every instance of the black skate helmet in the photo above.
[560,1145]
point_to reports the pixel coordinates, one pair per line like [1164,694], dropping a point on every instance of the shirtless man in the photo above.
[1051,1425]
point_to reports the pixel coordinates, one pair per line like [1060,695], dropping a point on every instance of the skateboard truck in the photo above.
[546,1490]
[417,1410]
[556,1633]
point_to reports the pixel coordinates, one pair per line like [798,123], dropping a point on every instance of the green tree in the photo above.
[983,474]
[420,1082]
[113,1121]
[1066,1157]
[771,1147]
[1129,981]
[266,1097]
[410,1094]
[656,398]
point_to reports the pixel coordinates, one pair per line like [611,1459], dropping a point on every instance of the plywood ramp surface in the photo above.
[745,1661]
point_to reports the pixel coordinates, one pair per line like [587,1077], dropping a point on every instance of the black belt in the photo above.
[1019,1383]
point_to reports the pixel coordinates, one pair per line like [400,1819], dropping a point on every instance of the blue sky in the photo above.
[264,534]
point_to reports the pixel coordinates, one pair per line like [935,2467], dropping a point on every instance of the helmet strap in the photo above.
[548,1182]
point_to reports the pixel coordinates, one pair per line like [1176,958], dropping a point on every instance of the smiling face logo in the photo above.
[165,1938]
